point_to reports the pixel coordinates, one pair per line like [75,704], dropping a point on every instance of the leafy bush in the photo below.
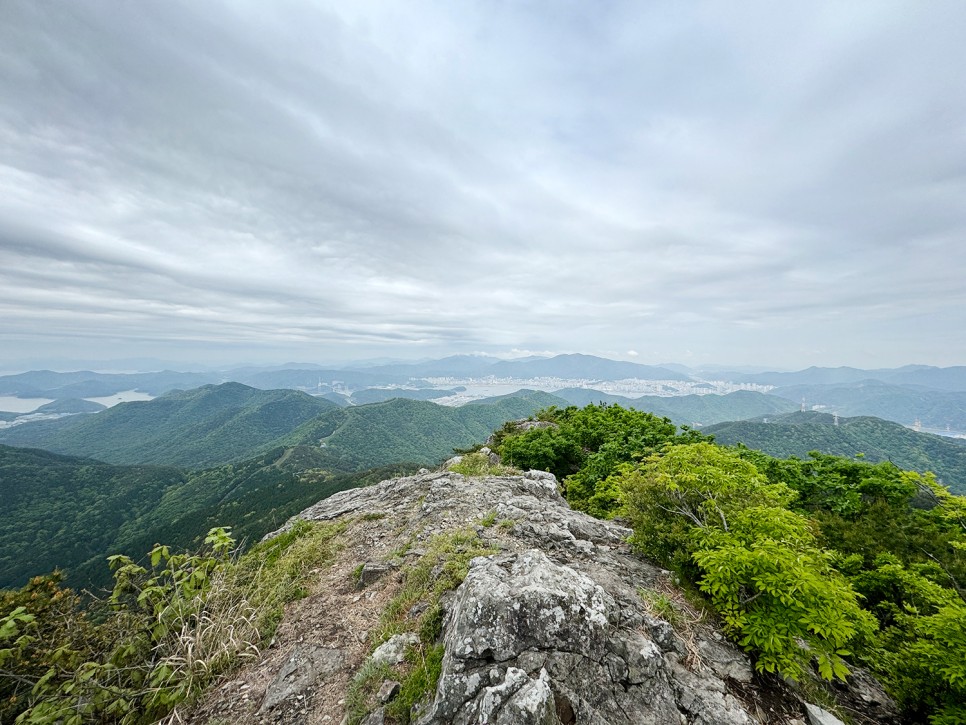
[173,625]
[585,446]
[703,509]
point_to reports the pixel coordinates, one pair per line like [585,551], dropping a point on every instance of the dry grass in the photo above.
[667,602]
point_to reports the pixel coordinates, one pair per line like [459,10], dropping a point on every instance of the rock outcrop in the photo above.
[558,627]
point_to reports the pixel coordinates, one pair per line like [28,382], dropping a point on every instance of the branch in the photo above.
[683,512]
[17,678]
[959,589]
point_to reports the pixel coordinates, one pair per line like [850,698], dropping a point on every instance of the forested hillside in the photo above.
[409,430]
[71,512]
[795,434]
[195,428]
[60,511]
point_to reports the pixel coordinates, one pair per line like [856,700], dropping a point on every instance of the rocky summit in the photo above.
[558,622]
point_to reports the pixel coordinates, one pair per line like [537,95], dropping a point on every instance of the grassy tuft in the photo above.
[478,464]
[442,568]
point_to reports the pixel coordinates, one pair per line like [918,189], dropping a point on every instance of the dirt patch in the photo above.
[335,615]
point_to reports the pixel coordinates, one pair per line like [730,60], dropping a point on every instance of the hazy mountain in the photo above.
[206,426]
[378,395]
[314,378]
[795,434]
[951,378]
[690,410]
[88,384]
[582,367]
[453,366]
[902,404]
[809,376]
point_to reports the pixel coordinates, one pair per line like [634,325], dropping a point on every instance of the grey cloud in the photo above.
[435,177]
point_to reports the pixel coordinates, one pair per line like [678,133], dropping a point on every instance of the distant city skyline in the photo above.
[768,184]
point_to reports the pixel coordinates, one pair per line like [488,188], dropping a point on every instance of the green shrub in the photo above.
[710,513]
[174,624]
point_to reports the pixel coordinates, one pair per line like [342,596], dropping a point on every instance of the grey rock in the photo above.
[525,425]
[393,650]
[552,629]
[376,717]
[303,667]
[862,693]
[725,660]
[389,689]
[372,572]
[818,716]
[523,613]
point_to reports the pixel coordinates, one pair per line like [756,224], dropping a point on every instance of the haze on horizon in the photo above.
[773,184]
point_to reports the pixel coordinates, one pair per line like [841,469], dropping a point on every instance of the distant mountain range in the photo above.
[900,403]
[355,379]
[795,434]
[951,378]
[217,424]
[690,410]
[89,384]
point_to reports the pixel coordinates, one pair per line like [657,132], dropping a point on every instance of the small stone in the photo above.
[818,716]
[377,717]
[393,650]
[389,689]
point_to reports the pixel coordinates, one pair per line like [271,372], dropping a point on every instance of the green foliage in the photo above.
[713,515]
[879,441]
[584,446]
[173,624]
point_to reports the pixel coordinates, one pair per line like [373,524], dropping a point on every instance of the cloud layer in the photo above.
[774,183]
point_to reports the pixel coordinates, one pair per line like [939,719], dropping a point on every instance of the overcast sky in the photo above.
[756,182]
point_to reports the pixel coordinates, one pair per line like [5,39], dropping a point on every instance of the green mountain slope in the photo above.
[59,511]
[202,427]
[410,430]
[70,513]
[796,434]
